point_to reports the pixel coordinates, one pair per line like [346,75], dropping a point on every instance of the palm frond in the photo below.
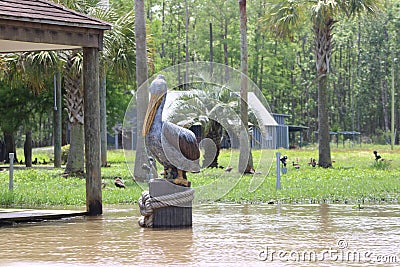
[284,17]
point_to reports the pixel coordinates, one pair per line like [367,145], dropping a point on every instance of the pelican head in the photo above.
[158,89]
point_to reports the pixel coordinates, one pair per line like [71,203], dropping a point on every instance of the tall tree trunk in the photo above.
[103,115]
[57,121]
[179,54]
[211,51]
[10,146]
[162,54]
[384,101]
[245,157]
[74,107]
[257,44]
[323,52]
[142,91]
[226,58]
[76,158]
[260,82]
[186,45]
[215,134]
[28,148]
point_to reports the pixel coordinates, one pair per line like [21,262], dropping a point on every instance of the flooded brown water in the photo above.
[222,235]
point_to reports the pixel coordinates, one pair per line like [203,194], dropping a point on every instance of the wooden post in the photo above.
[57,120]
[11,173]
[92,130]
[172,216]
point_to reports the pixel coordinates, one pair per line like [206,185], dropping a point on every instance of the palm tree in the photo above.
[206,106]
[74,106]
[246,157]
[117,57]
[286,15]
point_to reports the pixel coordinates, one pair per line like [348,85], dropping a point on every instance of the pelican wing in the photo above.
[182,139]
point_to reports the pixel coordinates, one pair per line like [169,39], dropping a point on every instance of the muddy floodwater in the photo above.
[222,235]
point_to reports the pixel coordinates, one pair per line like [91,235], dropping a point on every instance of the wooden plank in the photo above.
[26,215]
[50,34]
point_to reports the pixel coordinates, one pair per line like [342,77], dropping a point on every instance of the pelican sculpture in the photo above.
[172,146]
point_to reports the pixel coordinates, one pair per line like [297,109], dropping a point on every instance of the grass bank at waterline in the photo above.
[356,178]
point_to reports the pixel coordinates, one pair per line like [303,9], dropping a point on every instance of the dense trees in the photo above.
[285,70]
[358,87]
[285,17]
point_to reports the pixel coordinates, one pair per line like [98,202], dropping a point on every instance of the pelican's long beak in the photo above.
[154,103]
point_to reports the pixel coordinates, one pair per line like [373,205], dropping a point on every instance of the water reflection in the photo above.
[222,234]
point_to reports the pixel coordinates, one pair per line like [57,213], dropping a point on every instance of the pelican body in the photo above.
[172,146]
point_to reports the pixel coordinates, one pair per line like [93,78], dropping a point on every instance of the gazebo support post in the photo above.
[92,130]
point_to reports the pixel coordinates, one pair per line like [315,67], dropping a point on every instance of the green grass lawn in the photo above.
[354,179]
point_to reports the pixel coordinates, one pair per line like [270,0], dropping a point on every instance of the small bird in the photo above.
[283,160]
[377,156]
[296,164]
[228,169]
[35,161]
[312,162]
[119,183]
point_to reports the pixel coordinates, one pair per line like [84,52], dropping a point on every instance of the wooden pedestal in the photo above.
[171,216]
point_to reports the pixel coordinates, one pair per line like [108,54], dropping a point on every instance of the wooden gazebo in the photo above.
[36,25]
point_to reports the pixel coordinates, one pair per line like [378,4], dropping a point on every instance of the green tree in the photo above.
[284,16]
[116,58]
[24,77]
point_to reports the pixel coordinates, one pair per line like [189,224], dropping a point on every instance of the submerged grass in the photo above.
[354,179]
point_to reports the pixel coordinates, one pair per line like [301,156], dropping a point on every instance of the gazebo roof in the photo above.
[44,11]
[29,25]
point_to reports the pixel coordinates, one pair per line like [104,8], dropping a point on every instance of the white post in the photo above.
[11,181]
[278,170]
[116,140]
